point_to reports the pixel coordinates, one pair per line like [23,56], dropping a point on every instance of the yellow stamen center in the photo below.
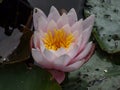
[57,39]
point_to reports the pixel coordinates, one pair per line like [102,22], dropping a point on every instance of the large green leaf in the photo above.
[96,74]
[107,32]
[19,77]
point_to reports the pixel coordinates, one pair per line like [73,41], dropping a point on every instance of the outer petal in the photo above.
[62,20]
[86,58]
[73,66]
[42,46]
[35,40]
[54,14]
[37,13]
[78,37]
[73,49]
[79,40]
[72,16]
[84,53]
[38,57]
[89,21]
[78,64]
[85,37]
[58,75]
[42,23]
[78,26]
[90,53]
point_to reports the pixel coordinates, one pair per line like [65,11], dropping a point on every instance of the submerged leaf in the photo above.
[8,43]
[18,77]
[22,52]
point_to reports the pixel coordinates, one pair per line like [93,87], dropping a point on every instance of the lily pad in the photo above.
[19,77]
[107,23]
[96,74]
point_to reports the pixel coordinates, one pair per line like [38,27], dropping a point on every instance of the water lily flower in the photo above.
[60,42]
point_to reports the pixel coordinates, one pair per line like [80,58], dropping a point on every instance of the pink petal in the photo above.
[89,21]
[73,66]
[60,52]
[90,53]
[84,53]
[67,28]
[61,61]
[78,26]
[72,16]
[85,37]
[54,14]
[75,34]
[78,64]
[42,23]
[52,26]
[37,13]
[62,20]
[42,46]
[78,38]
[36,40]
[49,55]
[87,57]
[38,57]
[72,51]
[41,34]
[58,75]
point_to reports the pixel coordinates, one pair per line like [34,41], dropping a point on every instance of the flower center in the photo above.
[57,39]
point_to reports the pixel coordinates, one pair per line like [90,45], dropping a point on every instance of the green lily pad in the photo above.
[107,23]
[19,77]
[96,74]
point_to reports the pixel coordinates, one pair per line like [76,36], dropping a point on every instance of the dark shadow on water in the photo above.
[14,13]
